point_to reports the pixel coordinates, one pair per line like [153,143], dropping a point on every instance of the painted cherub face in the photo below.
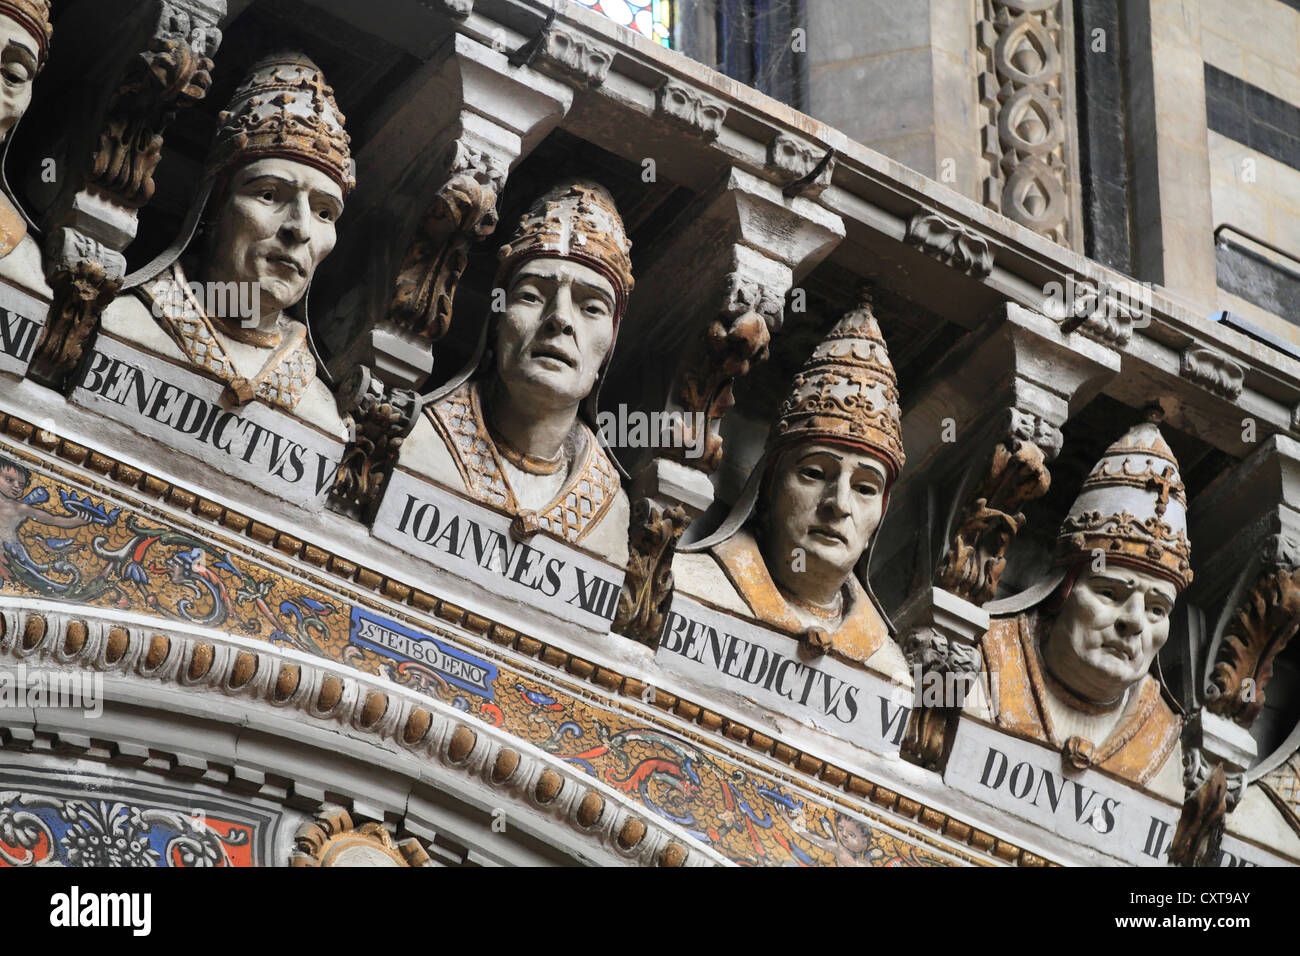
[825,503]
[555,333]
[12,482]
[275,227]
[1111,627]
[18,66]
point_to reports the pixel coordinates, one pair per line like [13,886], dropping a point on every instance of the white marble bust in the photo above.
[24,45]
[788,554]
[513,436]
[1086,652]
[278,190]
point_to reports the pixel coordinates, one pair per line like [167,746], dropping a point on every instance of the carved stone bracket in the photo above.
[1028,141]
[799,161]
[1016,475]
[1214,765]
[577,55]
[462,212]
[378,422]
[333,840]
[654,530]
[173,72]
[941,635]
[1105,312]
[1262,624]
[733,343]
[951,243]
[690,109]
[1213,371]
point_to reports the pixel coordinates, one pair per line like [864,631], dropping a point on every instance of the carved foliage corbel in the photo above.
[951,243]
[1262,624]
[380,416]
[1212,793]
[653,533]
[1016,475]
[1214,372]
[462,212]
[1104,312]
[969,571]
[378,422]
[85,266]
[733,343]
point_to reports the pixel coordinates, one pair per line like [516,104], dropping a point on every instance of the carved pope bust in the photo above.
[279,173]
[1074,670]
[25,34]
[518,435]
[787,554]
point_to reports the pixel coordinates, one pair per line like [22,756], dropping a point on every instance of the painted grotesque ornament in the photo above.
[1074,670]
[25,34]
[787,554]
[517,435]
[279,173]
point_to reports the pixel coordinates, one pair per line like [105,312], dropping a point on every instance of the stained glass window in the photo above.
[651,18]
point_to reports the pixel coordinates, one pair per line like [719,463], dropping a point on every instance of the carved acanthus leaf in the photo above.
[378,423]
[85,274]
[175,71]
[653,532]
[1217,373]
[578,56]
[691,109]
[1261,626]
[951,243]
[733,343]
[462,213]
[1017,474]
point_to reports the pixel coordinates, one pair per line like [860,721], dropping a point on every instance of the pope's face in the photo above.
[1110,629]
[276,226]
[555,333]
[825,500]
[17,72]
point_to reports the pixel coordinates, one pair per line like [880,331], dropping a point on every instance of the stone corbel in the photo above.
[1041,374]
[941,638]
[1212,371]
[687,108]
[1102,311]
[807,169]
[84,261]
[495,114]
[1247,528]
[1216,755]
[745,244]
[950,242]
